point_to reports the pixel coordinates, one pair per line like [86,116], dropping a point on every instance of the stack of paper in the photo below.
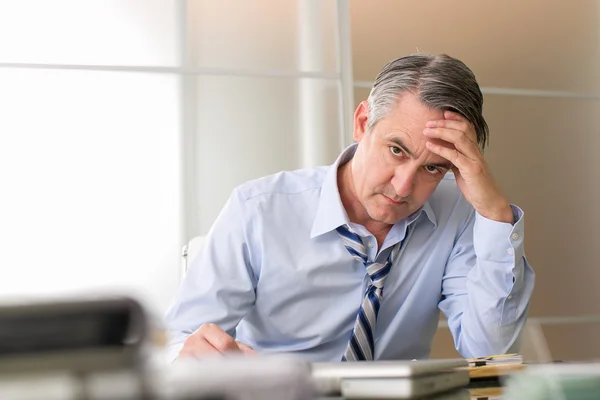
[492,367]
[502,359]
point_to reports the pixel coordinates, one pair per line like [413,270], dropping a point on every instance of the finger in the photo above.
[459,139]
[197,347]
[244,348]
[450,154]
[453,115]
[224,343]
[218,338]
[461,126]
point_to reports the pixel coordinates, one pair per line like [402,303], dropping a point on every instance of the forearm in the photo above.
[219,286]
[495,310]
[488,316]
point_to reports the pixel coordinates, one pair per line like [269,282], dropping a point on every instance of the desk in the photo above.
[486,393]
[486,381]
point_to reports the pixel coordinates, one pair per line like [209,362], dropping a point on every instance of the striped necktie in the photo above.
[362,345]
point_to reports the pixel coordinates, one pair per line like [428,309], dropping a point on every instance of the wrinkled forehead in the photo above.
[409,114]
[414,145]
[404,124]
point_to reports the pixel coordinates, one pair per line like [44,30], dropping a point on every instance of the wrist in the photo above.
[502,213]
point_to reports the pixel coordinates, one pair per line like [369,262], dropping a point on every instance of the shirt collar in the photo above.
[426,208]
[330,211]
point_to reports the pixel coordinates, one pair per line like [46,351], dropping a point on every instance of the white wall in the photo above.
[126,124]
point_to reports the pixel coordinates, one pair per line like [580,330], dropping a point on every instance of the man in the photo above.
[354,261]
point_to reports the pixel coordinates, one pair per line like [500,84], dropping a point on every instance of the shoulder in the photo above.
[447,189]
[448,202]
[285,183]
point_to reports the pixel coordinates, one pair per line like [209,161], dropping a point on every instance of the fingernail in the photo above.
[427,131]
[430,124]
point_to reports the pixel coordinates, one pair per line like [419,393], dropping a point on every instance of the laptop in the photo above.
[389,379]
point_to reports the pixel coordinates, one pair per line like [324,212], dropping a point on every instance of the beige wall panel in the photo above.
[543,153]
[360,94]
[535,44]
[565,342]
[573,342]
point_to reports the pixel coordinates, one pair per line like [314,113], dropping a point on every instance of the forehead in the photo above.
[409,110]
[409,115]
[406,121]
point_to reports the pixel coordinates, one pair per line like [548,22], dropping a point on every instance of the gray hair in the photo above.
[440,82]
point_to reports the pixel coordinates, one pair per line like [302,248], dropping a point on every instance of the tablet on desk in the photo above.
[328,377]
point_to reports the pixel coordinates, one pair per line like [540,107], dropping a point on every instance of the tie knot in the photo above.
[353,244]
[378,272]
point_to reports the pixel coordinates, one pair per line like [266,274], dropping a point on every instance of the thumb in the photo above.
[244,348]
[455,171]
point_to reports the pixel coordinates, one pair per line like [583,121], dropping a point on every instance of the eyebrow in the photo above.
[447,165]
[400,143]
[402,146]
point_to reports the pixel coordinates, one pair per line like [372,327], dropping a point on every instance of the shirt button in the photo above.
[509,297]
[510,251]
[371,244]
[515,236]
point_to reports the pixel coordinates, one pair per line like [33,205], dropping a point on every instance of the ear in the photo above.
[361,119]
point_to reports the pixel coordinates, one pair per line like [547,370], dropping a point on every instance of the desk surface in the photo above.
[486,393]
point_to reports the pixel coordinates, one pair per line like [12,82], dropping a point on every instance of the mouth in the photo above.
[394,202]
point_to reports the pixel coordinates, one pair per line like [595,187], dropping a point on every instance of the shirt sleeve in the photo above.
[487,286]
[219,286]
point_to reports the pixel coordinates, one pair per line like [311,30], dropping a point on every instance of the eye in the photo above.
[432,170]
[397,151]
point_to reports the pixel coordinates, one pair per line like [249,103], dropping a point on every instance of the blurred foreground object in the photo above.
[104,349]
[79,336]
[237,378]
[555,381]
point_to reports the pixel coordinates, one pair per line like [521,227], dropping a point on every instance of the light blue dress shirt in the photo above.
[275,274]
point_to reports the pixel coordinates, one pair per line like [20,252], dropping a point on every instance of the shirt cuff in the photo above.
[171,351]
[499,241]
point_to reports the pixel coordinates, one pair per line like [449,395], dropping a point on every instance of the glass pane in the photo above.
[250,127]
[102,32]
[89,167]
[543,152]
[535,44]
[264,34]
[443,345]
[573,342]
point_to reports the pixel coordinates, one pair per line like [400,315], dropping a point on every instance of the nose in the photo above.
[404,182]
